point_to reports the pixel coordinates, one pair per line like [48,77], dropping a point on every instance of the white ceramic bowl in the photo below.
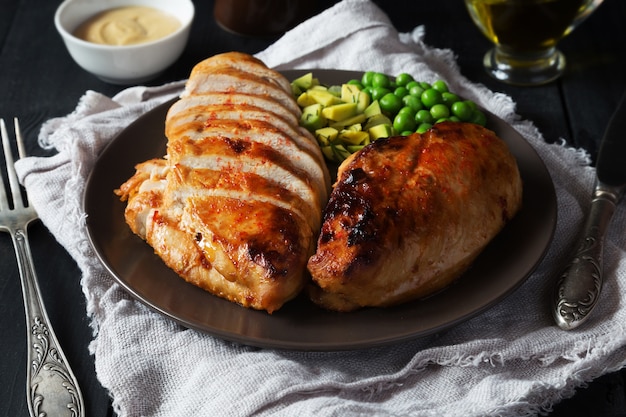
[131,64]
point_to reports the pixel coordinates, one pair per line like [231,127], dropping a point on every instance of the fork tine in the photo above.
[4,203]
[21,150]
[8,157]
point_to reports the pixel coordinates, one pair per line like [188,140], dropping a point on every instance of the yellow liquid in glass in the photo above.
[526,25]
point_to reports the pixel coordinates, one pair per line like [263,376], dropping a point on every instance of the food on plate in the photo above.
[241,204]
[408,215]
[235,205]
[344,118]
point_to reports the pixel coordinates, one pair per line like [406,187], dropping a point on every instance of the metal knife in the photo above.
[578,287]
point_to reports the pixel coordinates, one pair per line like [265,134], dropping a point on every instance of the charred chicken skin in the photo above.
[408,215]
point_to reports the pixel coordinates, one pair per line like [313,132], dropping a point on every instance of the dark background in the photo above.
[39,80]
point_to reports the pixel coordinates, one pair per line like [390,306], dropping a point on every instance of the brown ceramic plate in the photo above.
[504,265]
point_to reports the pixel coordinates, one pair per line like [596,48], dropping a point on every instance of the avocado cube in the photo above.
[326,135]
[339,111]
[382,130]
[372,109]
[312,117]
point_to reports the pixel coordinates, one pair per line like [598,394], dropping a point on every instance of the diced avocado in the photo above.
[372,109]
[328,152]
[363,102]
[335,90]
[312,117]
[350,93]
[354,148]
[382,130]
[305,81]
[353,137]
[295,90]
[322,96]
[339,111]
[377,119]
[305,99]
[335,153]
[350,121]
[325,135]
[357,127]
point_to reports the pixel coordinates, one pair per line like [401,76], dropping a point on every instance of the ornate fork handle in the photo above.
[580,284]
[52,389]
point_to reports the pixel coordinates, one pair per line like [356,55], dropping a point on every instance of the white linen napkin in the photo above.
[509,361]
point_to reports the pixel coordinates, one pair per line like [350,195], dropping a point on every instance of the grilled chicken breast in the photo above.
[235,206]
[407,216]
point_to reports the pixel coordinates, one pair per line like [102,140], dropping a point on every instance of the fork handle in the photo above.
[51,387]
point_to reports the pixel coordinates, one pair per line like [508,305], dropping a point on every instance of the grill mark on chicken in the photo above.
[265,161]
[237,100]
[228,79]
[243,62]
[259,134]
[192,117]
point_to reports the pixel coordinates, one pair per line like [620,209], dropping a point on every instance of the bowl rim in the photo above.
[69,36]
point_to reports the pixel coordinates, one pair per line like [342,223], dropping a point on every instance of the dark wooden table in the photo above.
[38,80]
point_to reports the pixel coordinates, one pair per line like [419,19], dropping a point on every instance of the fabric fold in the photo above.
[510,360]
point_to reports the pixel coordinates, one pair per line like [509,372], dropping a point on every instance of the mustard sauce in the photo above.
[127,26]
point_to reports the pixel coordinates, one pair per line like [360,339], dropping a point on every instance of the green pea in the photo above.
[462,110]
[378,92]
[440,86]
[380,80]
[423,116]
[367,77]
[423,127]
[407,133]
[416,90]
[390,103]
[358,83]
[471,104]
[431,97]
[479,118]
[425,85]
[407,110]
[413,102]
[403,79]
[404,121]
[412,84]
[449,98]
[401,91]
[440,111]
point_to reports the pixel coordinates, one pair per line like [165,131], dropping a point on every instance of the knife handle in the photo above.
[579,286]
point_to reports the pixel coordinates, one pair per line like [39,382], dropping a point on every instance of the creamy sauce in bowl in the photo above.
[127,26]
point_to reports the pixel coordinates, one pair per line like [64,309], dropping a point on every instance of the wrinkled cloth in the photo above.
[510,360]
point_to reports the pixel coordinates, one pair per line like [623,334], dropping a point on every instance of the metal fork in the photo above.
[51,387]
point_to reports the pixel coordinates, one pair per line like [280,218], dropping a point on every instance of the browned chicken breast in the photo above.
[235,206]
[407,216]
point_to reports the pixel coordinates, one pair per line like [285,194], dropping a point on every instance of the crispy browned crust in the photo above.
[407,216]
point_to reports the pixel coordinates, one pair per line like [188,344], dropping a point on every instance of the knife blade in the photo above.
[579,285]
